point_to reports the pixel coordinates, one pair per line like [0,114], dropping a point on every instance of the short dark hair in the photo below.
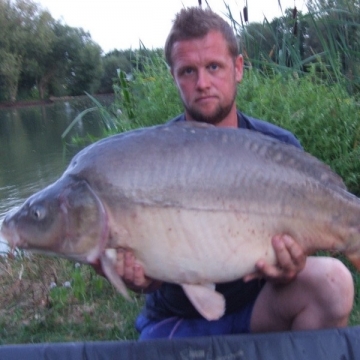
[194,23]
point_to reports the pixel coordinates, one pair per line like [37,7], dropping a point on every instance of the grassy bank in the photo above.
[47,299]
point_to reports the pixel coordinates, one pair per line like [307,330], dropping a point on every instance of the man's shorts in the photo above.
[175,327]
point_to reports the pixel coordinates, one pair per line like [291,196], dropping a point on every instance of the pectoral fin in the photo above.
[209,303]
[109,270]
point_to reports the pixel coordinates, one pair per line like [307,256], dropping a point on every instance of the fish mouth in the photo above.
[7,230]
[10,235]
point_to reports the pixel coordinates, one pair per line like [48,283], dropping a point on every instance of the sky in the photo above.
[122,24]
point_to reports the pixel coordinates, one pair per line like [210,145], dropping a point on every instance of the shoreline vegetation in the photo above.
[38,102]
[24,103]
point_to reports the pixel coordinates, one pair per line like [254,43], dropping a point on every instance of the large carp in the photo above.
[196,204]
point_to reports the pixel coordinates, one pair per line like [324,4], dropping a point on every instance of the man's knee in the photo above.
[320,297]
[332,284]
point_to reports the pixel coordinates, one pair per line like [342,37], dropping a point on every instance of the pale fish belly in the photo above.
[194,246]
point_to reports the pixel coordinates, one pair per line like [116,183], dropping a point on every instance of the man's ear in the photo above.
[239,66]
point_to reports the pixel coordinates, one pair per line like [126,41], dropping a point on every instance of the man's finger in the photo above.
[253,276]
[129,266]
[269,271]
[120,262]
[139,277]
[283,256]
[295,250]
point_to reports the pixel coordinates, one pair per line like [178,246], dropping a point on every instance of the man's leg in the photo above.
[321,296]
[176,327]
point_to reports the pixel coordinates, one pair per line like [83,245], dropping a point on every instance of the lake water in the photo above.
[32,153]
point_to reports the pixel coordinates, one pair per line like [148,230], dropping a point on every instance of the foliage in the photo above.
[84,62]
[327,36]
[279,42]
[41,57]
[108,121]
[112,63]
[10,69]
[123,90]
[142,98]
[38,52]
[149,94]
[337,27]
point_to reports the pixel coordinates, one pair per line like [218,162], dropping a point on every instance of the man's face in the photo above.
[206,76]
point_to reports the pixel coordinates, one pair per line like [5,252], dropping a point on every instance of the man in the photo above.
[297,293]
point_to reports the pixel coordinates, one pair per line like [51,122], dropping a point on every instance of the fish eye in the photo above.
[37,212]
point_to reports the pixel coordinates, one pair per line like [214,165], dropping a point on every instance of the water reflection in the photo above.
[31,150]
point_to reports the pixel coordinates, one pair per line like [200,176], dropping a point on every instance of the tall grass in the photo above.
[327,35]
[150,94]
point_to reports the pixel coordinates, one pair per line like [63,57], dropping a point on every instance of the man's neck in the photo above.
[230,121]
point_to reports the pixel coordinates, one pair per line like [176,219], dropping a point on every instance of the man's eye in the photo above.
[213,66]
[188,71]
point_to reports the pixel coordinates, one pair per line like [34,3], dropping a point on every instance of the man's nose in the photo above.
[203,79]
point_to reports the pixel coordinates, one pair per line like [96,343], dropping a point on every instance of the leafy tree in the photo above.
[85,67]
[74,63]
[37,52]
[12,26]
[10,68]
[39,64]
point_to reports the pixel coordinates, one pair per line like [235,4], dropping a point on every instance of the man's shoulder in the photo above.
[180,117]
[267,128]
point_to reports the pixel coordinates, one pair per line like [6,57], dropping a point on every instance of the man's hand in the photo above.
[291,260]
[132,273]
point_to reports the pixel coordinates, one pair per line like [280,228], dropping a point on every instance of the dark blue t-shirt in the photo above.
[170,300]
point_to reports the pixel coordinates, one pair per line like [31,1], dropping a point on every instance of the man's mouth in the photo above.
[205,98]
